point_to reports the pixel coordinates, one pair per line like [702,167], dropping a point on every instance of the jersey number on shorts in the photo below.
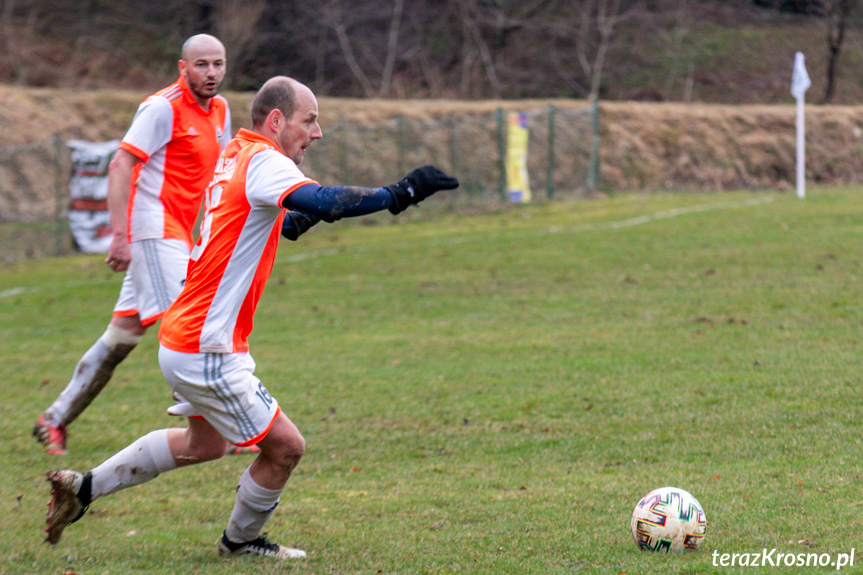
[264,394]
[212,197]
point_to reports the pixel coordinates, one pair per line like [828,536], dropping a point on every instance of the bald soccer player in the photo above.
[156,182]
[257,193]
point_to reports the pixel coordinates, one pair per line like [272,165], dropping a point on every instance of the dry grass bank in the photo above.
[645,146]
[718,147]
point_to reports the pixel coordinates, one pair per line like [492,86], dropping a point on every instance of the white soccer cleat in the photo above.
[260,546]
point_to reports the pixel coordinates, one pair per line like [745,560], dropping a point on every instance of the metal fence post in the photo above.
[593,169]
[400,144]
[341,149]
[453,149]
[58,196]
[549,175]
[501,147]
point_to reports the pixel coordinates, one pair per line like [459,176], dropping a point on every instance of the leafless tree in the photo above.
[17,51]
[6,16]
[430,71]
[681,30]
[603,16]
[838,14]
[365,42]
[234,23]
[475,47]
[334,17]
[392,49]
[584,35]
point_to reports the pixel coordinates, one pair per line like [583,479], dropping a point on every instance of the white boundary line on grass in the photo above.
[639,220]
[52,287]
[612,225]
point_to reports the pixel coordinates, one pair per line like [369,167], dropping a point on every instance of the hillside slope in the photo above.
[716,51]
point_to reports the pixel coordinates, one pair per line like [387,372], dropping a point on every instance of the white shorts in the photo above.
[154,279]
[222,388]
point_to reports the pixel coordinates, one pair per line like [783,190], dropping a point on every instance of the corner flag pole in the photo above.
[801,149]
[799,84]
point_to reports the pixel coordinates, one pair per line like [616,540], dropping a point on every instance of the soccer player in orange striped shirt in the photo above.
[156,181]
[257,193]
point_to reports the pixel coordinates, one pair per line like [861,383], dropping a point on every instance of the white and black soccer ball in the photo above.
[668,519]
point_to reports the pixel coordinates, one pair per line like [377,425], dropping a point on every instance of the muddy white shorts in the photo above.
[154,279]
[223,389]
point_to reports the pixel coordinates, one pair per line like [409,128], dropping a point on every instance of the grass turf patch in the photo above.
[488,393]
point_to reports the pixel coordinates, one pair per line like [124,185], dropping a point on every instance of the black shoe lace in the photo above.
[264,544]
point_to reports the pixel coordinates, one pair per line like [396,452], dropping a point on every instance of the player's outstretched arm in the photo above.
[331,203]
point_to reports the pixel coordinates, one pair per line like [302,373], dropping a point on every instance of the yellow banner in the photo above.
[516,158]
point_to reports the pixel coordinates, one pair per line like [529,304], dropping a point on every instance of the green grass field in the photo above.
[489,393]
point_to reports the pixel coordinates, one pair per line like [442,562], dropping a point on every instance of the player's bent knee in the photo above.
[286,451]
[296,446]
[292,447]
[284,445]
[214,450]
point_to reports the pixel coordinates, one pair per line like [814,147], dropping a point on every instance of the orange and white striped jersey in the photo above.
[178,143]
[234,255]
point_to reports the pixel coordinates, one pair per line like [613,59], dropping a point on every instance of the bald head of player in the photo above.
[203,65]
[286,111]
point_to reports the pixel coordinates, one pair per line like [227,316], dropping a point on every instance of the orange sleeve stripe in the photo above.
[137,152]
[125,313]
[294,187]
[148,321]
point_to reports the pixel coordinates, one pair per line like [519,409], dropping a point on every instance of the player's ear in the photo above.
[275,119]
[181,66]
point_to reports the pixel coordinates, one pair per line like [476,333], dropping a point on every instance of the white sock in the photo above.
[252,509]
[92,373]
[138,463]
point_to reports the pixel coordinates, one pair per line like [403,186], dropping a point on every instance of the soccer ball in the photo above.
[668,519]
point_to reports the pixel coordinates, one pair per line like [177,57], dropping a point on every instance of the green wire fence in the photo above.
[562,162]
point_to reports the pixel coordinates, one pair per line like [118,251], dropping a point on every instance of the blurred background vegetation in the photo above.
[718,51]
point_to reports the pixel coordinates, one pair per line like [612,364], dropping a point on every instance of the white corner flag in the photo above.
[799,84]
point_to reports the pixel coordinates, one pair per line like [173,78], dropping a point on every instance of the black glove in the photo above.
[297,223]
[417,186]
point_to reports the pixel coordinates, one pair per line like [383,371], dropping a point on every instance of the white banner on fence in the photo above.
[88,193]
